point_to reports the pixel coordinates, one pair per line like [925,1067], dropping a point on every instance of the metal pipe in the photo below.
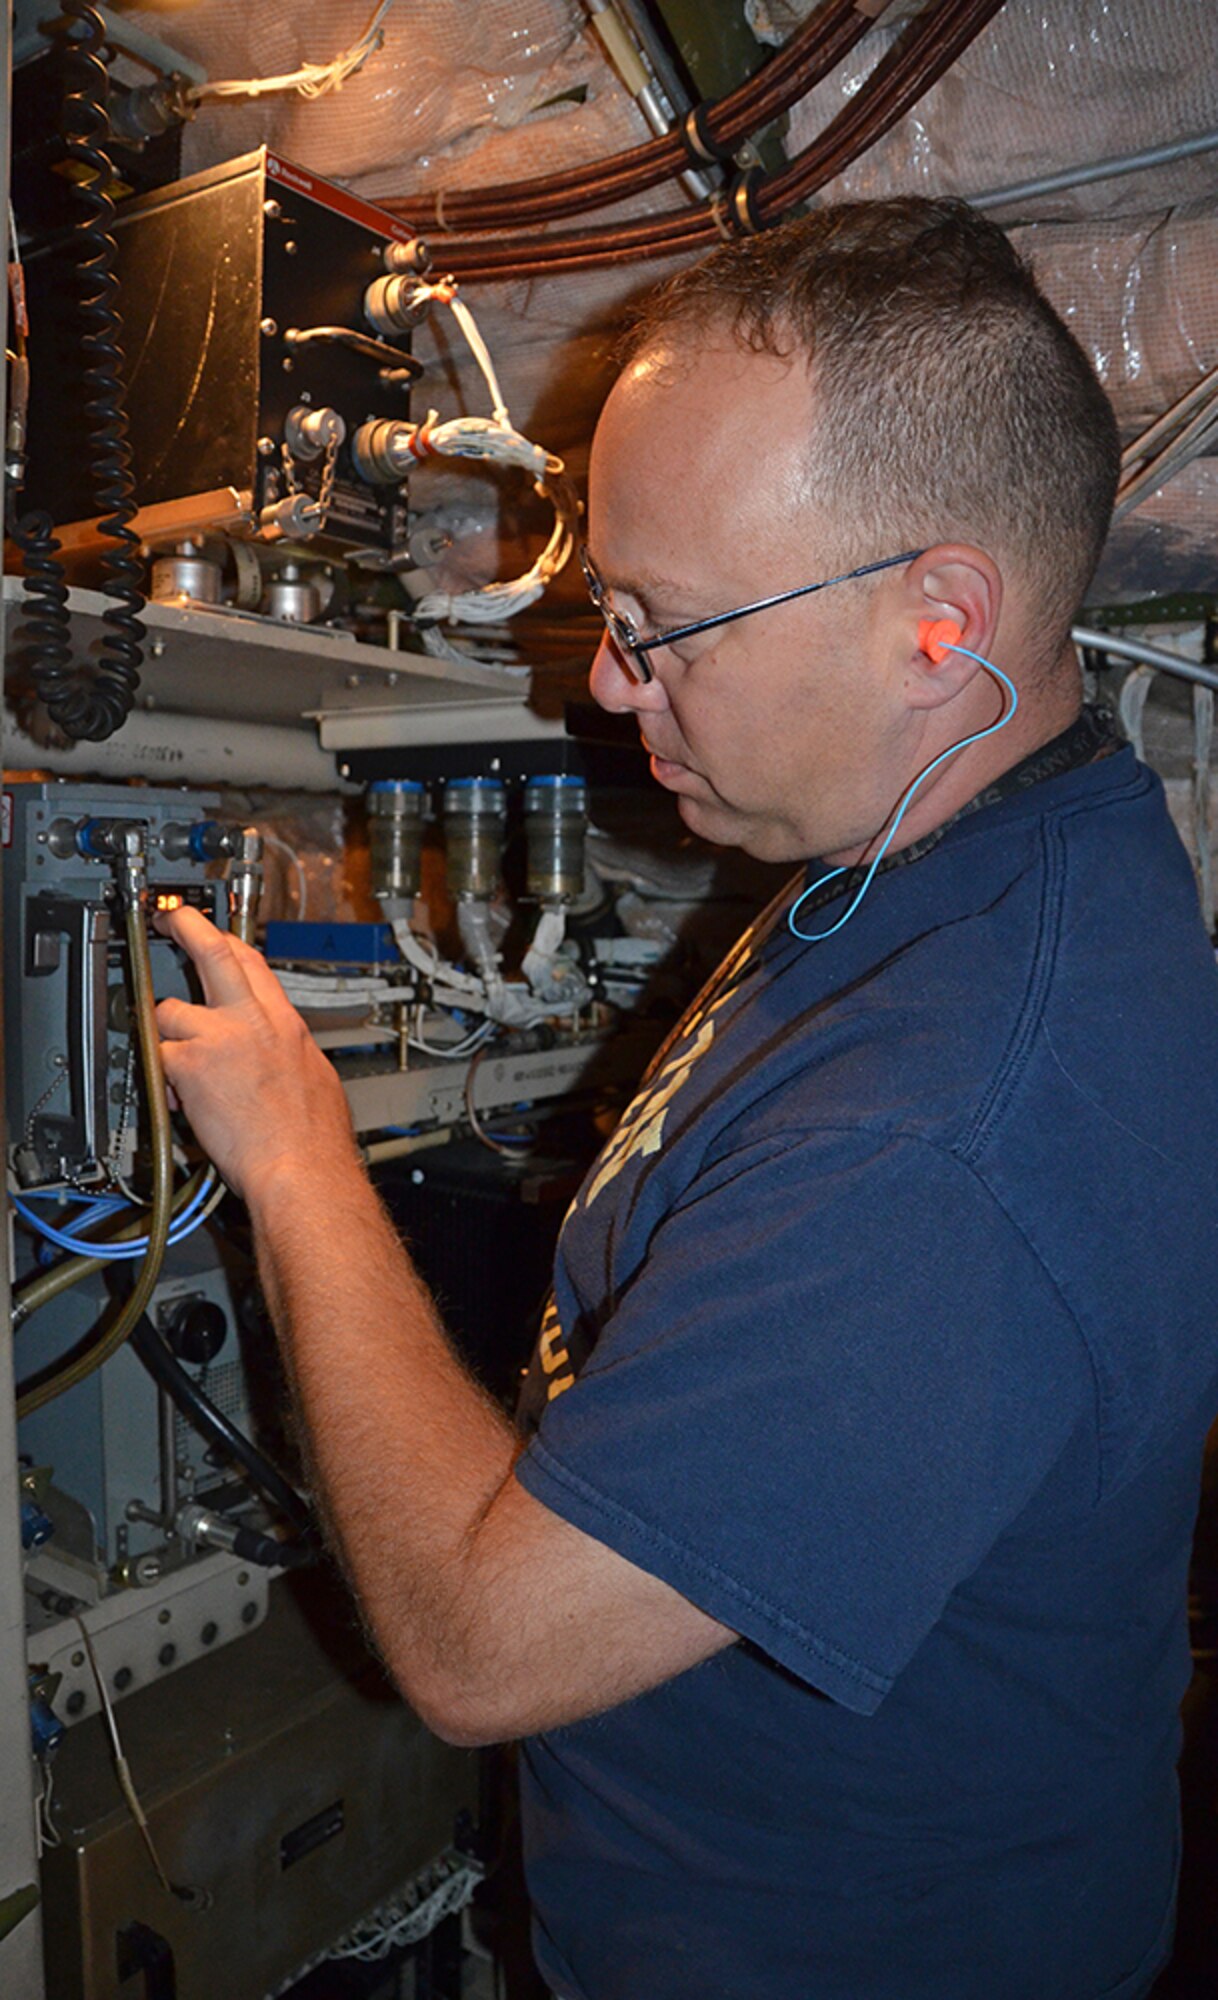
[1145,655]
[186,749]
[1176,414]
[1099,170]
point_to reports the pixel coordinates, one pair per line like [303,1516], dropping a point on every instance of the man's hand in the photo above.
[256,1088]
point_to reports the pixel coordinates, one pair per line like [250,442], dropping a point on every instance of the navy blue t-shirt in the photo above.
[885,1329]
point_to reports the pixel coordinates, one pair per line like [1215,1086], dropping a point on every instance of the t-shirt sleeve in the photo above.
[836,1378]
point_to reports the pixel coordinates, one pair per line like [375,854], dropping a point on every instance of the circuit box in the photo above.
[241,293]
[69,1039]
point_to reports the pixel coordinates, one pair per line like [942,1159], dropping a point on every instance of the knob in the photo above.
[197,1330]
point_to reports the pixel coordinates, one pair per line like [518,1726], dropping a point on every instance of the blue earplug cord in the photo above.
[979,736]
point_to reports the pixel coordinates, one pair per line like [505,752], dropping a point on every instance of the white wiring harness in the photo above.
[311,79]
[496,439]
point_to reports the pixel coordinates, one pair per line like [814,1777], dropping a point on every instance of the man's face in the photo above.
[776,732]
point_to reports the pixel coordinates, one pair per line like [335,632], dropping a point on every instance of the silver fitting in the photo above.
[395,304]
[122,842]
[308,433]
[199,1528]
[413,256]
[131,868]
[296,517]
[244,882]
[380,450]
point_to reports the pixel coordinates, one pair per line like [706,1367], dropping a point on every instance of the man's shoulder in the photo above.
[1075,896]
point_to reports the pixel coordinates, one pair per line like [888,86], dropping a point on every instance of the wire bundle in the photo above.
[716,130]
[97,1209]
[493,438]
[312,79]
[911,67]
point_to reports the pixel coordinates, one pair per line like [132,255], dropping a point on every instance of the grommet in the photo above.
[700,143]
[746,218]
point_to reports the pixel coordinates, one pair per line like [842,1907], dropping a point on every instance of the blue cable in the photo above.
[101,1206]
[979,736]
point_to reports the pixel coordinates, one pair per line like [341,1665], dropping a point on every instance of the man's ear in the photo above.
[952,597]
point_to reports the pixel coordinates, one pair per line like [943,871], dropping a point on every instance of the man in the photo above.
[840,1586]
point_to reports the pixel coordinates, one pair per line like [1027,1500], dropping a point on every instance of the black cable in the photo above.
[43,641]
[198,1409]
[93,704]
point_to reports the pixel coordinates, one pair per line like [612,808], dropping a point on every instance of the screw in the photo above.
[163,1617]
[243,1577]
[210,1632]
[75,1702]
[249,1613]
[289,248]
[157,649]
[123,1679]
[353,680]
[272,210]
[268,326]
[288,364]
[266,447]
[78,1659]
[167,1655]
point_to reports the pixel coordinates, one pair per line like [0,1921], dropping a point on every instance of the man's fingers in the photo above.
[229,970]
[222,974]
[178,1021]
[264,983]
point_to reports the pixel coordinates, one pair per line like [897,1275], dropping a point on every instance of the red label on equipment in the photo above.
[327,195]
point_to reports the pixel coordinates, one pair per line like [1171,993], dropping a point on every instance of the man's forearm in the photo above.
[407,1450]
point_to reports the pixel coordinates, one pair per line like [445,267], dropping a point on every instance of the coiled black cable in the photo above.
[90,703]
[43,641]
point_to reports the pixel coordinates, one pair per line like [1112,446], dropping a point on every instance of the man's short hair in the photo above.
[952,402]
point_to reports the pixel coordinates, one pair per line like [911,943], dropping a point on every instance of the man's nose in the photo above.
[618,687]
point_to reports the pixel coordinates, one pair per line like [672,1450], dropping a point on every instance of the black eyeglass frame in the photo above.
[628,639]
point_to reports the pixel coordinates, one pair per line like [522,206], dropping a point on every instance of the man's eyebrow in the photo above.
[648,588]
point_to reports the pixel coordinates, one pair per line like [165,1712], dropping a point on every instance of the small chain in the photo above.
[325,492]
[59,1078]
[114,1157]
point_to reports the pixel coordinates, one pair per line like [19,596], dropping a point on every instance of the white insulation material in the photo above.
[471,92]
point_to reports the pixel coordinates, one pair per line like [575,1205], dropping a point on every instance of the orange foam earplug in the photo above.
[937,636]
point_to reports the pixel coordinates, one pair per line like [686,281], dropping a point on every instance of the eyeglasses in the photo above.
[627,638]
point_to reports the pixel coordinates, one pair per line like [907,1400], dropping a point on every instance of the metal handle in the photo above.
[360,343]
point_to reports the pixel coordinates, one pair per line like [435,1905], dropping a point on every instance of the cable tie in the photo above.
[699,142]
[719,216]
[743,212]
[421,445]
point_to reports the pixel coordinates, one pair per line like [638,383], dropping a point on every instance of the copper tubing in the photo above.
[788,75]
[911,67]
